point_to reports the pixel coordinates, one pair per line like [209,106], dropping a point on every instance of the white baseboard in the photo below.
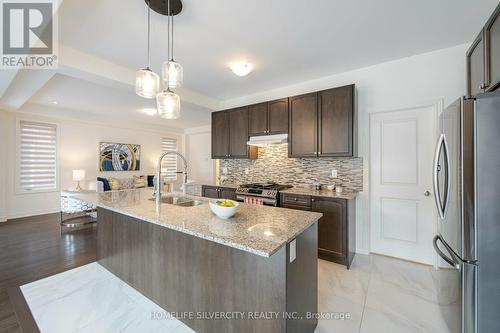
[3,219]
[362,251]
[32,213]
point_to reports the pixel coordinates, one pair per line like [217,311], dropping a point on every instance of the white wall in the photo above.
[3,167]
[408,82]
[78,149]
[198,154]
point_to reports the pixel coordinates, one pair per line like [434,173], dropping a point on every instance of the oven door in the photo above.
[266,201]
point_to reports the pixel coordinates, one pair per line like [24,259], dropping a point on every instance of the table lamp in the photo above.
[78,175]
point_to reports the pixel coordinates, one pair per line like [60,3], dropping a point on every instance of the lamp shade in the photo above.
[147,83]
[169,105]
[172,74]
[78,175]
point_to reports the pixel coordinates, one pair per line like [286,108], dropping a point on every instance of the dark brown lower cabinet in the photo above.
[336,229]
[218,192]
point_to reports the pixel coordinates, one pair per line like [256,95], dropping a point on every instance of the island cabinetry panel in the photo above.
[218,192]
[184,273]
[337,227]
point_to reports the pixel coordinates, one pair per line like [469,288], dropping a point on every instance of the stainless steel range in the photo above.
[267,193]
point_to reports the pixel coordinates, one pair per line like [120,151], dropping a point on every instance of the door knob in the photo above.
[427,193]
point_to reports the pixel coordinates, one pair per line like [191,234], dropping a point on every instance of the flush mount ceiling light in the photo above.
[241,68]
[147,82]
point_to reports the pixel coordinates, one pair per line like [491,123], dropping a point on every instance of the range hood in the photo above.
[264,140]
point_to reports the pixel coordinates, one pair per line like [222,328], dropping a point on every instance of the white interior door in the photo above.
[403,217]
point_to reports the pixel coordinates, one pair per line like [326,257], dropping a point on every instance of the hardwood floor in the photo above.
[33,248]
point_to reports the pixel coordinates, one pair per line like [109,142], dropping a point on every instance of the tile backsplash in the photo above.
[274,165]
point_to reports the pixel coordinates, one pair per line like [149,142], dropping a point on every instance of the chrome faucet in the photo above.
[157,192]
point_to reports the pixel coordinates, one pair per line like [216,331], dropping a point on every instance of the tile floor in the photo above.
[382,295]
[378,294]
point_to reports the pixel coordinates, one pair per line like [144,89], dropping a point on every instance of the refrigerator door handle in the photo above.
[437,197]
[452,262]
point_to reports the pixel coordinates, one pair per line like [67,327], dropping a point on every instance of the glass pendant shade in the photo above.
[169,105]
[147,83]
[171,73]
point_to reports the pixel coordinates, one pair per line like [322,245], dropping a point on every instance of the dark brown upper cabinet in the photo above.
[268,118]
[220,134]
[278,116]
[323,124]
[230,134]
[483,58]
[303,126]
[475,66]
[492,51]
[258,122]
[337,131]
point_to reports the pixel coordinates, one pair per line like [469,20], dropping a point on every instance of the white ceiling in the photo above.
[81,95]
[289,41]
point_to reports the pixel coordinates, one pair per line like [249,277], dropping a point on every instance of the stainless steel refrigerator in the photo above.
[467,194]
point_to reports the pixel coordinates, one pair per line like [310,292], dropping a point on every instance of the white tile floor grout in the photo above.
[379,294]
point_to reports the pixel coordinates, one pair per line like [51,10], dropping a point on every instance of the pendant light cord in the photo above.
[168,44]
[149,31]
[172,58]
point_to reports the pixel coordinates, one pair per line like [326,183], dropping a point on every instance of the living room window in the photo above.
[36,157]
[169,166]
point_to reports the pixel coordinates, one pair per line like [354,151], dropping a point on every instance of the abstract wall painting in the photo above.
[119,157]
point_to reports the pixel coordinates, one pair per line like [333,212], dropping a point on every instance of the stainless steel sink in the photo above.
[180,201]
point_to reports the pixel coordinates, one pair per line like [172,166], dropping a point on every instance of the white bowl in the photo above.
[221,211]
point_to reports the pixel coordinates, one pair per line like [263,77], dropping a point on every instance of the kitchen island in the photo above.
[256,272]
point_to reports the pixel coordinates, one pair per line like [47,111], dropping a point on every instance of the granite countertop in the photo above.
[261,230]
[346,193]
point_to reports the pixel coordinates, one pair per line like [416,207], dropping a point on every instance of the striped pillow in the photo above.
[140,182]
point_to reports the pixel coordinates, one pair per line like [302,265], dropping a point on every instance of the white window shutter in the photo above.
[169,164]
[37,154]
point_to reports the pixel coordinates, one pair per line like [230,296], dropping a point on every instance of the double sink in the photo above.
[180,201]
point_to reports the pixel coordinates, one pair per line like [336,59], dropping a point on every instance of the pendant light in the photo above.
[168,102]
[171,71]
[147,82]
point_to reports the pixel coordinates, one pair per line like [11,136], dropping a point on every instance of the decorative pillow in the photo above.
[105,183]
[115,184]
[140,181]
[151,180]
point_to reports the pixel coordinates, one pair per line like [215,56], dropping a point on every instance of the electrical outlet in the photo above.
[334,173]
[224,170]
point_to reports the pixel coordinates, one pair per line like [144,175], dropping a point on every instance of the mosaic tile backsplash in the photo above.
[274,165]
